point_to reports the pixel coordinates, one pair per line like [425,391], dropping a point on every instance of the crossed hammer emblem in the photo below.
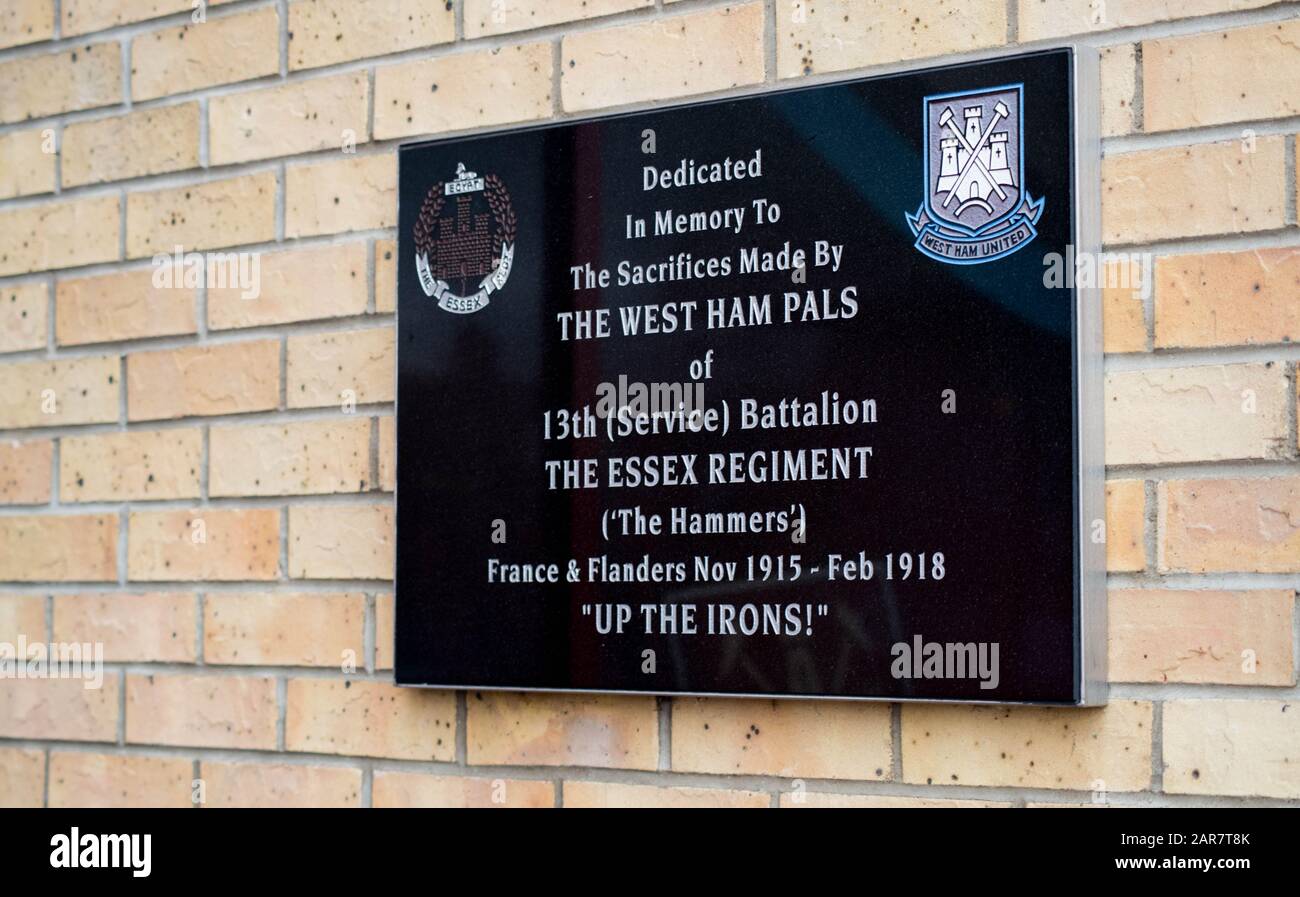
[973,162]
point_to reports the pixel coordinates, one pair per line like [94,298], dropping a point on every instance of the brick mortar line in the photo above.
[664,731]
[145,263]
[1289,152]
[655,778]
[260,333]
[287,416]
[462,729]
[368,628]
[1139,90]
[1159,359]
[1150,528]
[282,19]
[1157,748]
[200,628]
[1153,31]
[282,711]
[771,70]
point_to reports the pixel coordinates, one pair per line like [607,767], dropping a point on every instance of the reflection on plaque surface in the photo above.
[760,396]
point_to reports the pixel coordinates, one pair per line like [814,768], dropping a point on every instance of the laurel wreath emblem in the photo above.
[498,200]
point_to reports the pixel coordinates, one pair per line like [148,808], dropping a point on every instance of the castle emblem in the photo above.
[976,208]
[465,241]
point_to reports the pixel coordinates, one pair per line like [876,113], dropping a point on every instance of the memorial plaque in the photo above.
[778,395]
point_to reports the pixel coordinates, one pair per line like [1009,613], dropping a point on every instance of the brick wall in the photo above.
[203,483]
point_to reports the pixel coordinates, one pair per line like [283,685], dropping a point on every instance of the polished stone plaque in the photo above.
[791,394]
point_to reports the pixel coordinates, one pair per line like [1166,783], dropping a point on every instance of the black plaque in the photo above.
[759,396]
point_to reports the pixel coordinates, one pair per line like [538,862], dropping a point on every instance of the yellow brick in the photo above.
[59,235]
[60,709]
[230,378]
[1123,314]
[385,627]
[1210,79]
[411,789]
[601,795]
[663,58]
[1227,298]
[79,779]
[83,77]
[341,541]
[388,453]
[1126,526]
[136,465]
[370,719]
[1246,748]
[201,711]
[25,167]
[119,306]
[354,367]
[1042,19]
[302,117]
[1106,748]
[62,548]
[221,50]
[25,469]
[280,785]
[1210,188]
[833,35]
[353,193]
[822,800]
[290,459]
[85,16]
[299,285]
[484,17]
[805,739]
[23,315]
[207,543]
[1201,637]
[1214,526]
[385,276]
[473,90]
[1118,89]
[1219,412]
[274,629]
[54,393]
[22,615]
[203,216]
[152,141]
[26,22]
[506,728]
[151,627]
[324,32]
[22,776]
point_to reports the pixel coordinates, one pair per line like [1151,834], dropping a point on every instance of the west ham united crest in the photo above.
[977,207]
[465,240]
